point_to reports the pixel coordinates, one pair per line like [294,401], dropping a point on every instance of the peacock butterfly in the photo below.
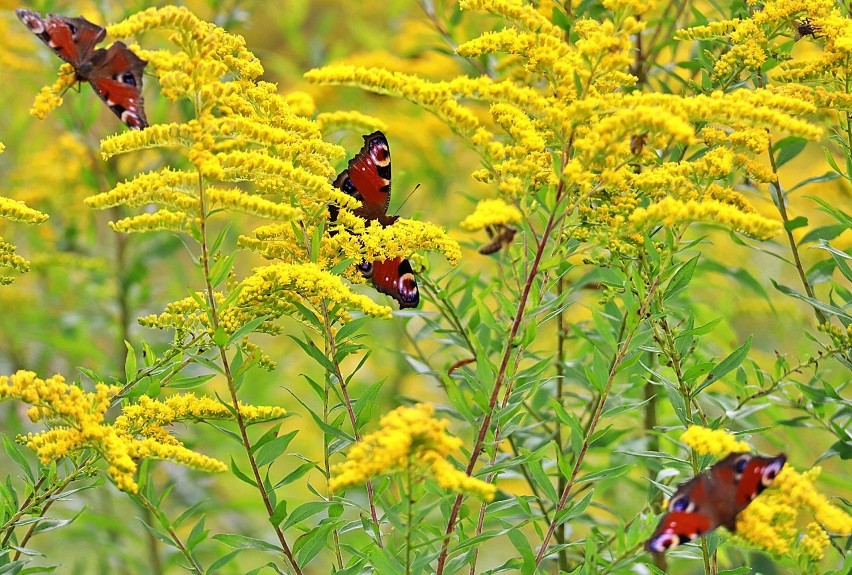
[714,498]
[115,73]
[368,180]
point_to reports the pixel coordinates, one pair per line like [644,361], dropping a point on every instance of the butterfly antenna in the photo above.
[407,197]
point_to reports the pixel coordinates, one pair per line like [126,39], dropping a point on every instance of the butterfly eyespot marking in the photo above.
[740,465]
[771,471]
[366,269]
[126,78]
[664,542]
[681,504]
[73,29]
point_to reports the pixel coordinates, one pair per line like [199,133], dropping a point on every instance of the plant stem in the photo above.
[555,214]
[331,349]
[152,512]
[780,201]
[622,354]
[232,388]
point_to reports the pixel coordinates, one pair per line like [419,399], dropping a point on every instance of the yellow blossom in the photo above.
[493,212]
[717,442]
[50,97]
[139,432]
[771,521]
[671,211]
[408,437]
[352,120]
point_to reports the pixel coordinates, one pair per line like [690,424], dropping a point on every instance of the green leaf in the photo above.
[197,535]
[681,279]
[244,542]
[221,268]
[822,306]
[787,149]
[311,543]
[271,450]
[725,366]
[304,511]
[129,363]
[826,177]
[560,19]
[610,473]
[18,457]
[795,223]
[827,233]
[221,562]
[189,381]
[246,329]
[220,337]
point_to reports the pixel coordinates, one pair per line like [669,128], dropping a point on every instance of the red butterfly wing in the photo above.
[370,174]
[116,77]
[368,180]
[678,527]
[759,473]
[395,278]
[714,498]
[72,39]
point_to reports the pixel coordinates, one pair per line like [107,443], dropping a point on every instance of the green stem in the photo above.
[619,358]
[232,388]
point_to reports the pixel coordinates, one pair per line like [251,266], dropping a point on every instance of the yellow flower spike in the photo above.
[515,11]
[161,220]
[717,442]
[301,103]
[771,521]
[407,436]
[404,237]
[815,541]
[670,211]
[50,97]
[492,212]
[138,432]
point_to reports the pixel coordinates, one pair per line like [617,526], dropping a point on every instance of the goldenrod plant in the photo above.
[629,226]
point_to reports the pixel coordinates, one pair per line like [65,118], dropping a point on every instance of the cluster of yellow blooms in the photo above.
[409,437]
[770,521]
[490,213]
[78,422]
[244,131]
[586,131]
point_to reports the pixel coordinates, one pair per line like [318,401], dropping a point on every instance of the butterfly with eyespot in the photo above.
[714,498]
[368,180]
[115,73]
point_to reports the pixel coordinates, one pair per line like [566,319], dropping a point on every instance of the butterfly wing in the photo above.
[116,77]
[687,517]
[714,498]
[758,474]
[368,180]
[72,39]
[395,278]
[369,175]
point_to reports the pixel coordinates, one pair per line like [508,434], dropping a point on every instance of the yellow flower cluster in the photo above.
[490,213]
[271,291]
[243,131]
[575,97]
[350,120]
[770,522]
[139,432]
[717,442]
[50,97]
[409,437]
[751,41]
[671,211]
[19,212]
